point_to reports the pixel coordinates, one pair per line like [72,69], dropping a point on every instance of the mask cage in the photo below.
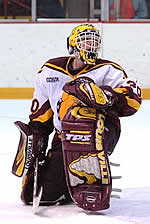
[88,41]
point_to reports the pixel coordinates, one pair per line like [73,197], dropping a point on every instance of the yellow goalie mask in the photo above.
[85,41]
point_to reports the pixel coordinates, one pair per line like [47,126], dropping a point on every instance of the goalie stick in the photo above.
[37,191]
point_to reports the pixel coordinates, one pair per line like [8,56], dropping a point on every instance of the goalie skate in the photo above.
[86,163]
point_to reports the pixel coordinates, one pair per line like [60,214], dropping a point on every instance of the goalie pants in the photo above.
[52,175]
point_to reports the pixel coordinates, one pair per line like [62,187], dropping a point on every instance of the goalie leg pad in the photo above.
[24,153]
[85,159]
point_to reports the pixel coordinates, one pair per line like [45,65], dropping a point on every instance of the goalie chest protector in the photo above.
[85,159]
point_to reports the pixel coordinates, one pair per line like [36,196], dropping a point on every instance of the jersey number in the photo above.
[135,87]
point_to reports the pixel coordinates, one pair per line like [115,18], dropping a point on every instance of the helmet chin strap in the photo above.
[90,60]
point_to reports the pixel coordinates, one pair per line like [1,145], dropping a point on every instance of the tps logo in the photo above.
[78,137]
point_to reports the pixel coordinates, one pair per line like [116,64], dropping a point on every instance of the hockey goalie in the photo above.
[79,100]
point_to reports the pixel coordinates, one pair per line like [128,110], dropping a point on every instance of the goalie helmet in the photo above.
[84,42]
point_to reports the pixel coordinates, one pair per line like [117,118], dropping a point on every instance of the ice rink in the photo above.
[132,152]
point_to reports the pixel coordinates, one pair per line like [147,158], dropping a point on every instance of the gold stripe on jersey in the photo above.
[86,69]
[89,68]
[109,63]
[41,69]
[66,71]
[55,67]
[44,117]
[133,103]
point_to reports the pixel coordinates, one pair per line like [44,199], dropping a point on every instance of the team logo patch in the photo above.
[52,79]
[85,169]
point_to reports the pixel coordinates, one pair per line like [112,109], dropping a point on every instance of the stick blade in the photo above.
[36,201]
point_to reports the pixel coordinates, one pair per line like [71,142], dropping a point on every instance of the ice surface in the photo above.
[132,151]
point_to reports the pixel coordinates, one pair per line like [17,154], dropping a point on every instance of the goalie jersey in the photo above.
[53,75]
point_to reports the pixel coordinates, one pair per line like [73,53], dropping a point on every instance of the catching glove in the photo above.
[90,94]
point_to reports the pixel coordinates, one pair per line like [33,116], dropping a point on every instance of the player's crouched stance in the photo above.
[82,98]
[85,145]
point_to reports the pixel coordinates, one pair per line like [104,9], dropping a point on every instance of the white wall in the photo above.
[25,47]
[129,46]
